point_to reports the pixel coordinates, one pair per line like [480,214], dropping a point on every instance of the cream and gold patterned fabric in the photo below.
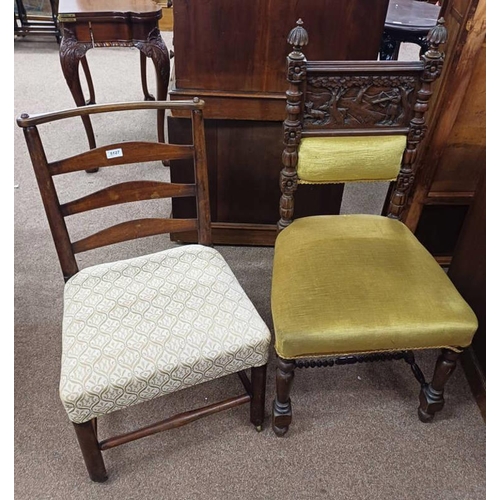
[346,284]
[350,159]
[137,329]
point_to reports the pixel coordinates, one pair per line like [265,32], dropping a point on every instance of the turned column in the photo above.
[282,406]
[292,126]
[433,60]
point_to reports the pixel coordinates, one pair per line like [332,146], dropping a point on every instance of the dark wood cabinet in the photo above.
[233,55]
[244,188]
[241,46]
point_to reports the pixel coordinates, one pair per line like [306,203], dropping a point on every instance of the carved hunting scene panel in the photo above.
[359,101]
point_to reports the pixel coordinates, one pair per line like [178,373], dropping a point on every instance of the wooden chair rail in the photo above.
[129,230]
[364,66]
[369,131]
[174,422]
[127,192]
[131,152]
[25,120]
[91,447]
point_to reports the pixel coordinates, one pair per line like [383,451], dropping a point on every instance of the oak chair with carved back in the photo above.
[137,329]
[357,288]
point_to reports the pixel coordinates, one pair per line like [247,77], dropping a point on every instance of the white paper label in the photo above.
[114,153]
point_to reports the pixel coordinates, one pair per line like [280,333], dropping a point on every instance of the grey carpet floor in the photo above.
[356,434]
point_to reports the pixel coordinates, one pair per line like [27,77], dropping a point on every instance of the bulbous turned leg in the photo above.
[282,406]
[431,395]
[257,403]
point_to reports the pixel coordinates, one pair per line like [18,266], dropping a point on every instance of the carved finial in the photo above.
[24,116]
[298,37]
[438,34]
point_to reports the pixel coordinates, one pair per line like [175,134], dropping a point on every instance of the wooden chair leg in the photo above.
[282,406]
[431,395]
[144,78]
[87,438]
[90,83]
[257,403]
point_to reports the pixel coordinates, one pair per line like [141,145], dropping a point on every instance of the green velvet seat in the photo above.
[350,159]
[361,283]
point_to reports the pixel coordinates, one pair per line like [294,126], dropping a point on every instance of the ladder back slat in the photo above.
[120,154]
[129,230]
[127,192]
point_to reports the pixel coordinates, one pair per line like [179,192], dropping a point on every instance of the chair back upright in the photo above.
[355,120]
[112,155]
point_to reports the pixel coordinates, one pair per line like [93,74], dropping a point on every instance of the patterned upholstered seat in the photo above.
[141,328]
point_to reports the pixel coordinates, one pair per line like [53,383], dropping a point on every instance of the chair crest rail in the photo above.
[26,120]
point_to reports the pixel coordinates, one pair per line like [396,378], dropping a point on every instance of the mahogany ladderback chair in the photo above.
[137,329]
[355,288]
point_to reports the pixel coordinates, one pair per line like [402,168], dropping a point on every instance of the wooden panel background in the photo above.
[244,180]
[241,45]
[465,152]
[453,154]
[233,55]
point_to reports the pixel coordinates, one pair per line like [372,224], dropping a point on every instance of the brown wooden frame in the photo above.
[134,152]
[413,81]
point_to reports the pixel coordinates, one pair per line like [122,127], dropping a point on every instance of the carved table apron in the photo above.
[86,24]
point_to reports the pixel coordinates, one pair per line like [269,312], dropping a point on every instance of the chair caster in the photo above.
[258,428]
[92,170]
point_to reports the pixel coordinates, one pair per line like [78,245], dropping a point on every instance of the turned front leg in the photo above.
[282,407]
[431,395]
